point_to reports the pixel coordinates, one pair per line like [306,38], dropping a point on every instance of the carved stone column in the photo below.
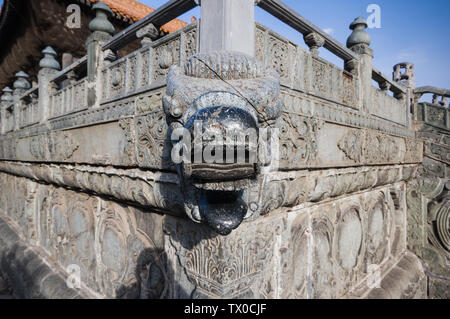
[102,31]
[359,42]
[228,25]
[49,67]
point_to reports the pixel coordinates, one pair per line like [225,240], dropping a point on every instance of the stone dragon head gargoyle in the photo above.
[226,105]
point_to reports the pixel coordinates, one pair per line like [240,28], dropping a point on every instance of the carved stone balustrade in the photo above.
[440,96]
[436,113]
[91,170]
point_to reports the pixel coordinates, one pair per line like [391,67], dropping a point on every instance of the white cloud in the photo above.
[329,31]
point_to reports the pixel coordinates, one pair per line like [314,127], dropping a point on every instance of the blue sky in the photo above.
[411,31]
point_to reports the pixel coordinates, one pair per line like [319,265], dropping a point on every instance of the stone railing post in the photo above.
[359,42]
[404,74]
[102,30]
[109,57]
[7,99]
[314,42]
[227,25]
[147,34]
[440,100]
[49,67]
[21,85]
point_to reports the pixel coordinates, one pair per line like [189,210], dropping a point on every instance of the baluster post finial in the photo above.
[147,34]
[101,23]
[359,39]
[49,59]
[7,95]
[21,84]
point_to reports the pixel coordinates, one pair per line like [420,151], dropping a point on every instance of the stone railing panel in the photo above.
[440,96]
[29,109]
[70,99]
[305,71]
[388,107]
[432,114]
[289,16]
[147,68]
[313,106]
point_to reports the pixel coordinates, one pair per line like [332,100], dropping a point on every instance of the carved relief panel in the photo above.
[366,146]
[321,77]
[152,146]
[190,43]
[116,255]
[164,56]
[298,140]
[116,79]
[145,68]
[321,251]
[237,266]
[332,247]
[18,201]
[278,57]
